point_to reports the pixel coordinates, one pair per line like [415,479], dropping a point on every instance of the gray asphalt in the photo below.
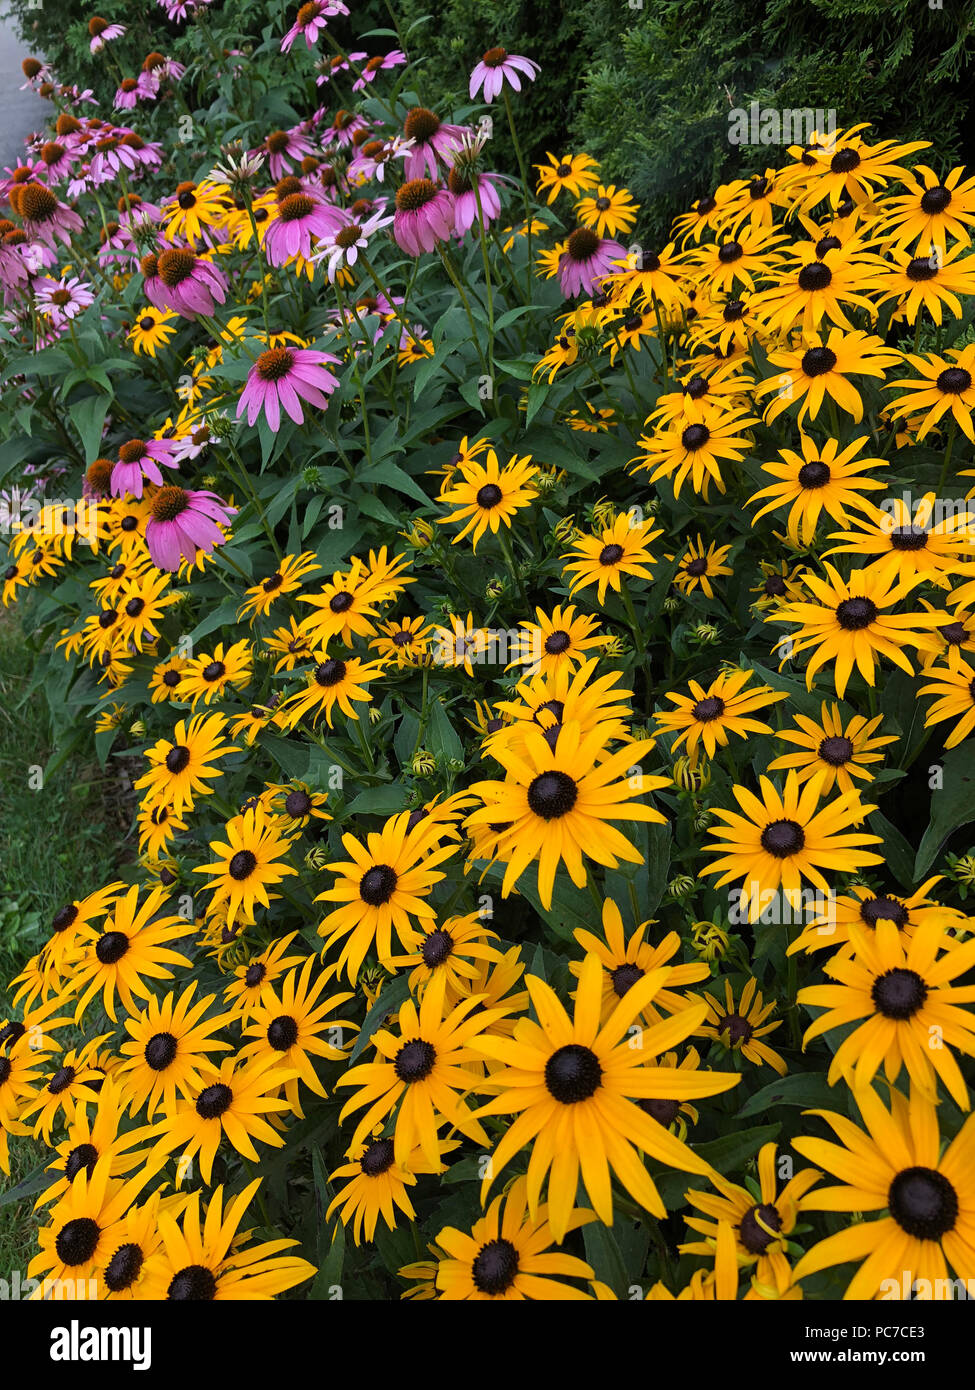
[20,112]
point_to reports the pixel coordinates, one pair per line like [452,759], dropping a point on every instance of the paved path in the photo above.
[20,112]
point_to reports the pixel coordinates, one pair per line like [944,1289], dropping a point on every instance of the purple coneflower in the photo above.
[281,376]
[462,180]
[63,299]
[393,59]
[284,149]
[311,20]
[586,258]
[13,271]
[340,63]
[140,459]
[102,32]
[496,65]
[424,216]
[344,128]
[342,246]
[431,138]
[184,522]
[190,285]
[300,217]
[45,219]
[132,91]
[54,163]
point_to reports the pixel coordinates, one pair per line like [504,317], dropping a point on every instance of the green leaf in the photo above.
[386,800]
[731,1152]
[441,736]
[88,418]
[807,1089]
[952,805]
[897,851]
[604,1254]
[395,994]
[34,1182]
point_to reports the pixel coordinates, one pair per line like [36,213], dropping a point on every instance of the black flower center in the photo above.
[378,1158]
[557,642]
[739,1030]
[214,672]
[489,496]
[783,838]
[711,707]
[818,361]
[697,566]
[923,1203]
[77,1241]
[873,909]
[936,199]
[573,1074]
[775,586]
[552,794]
[922,268]
[611,554]
[124,1268]
[909,537]
[377,885]
[436,948]
[730,251]
[64,917]
[495,1267]
[10,1032]
[854,614]
[814,475]
[954,380]
[827,243]
[899,993]
[756,1240]
[111,947]
[213,1101]
[836,751]
[954,633]
[664,1111]
[83,1156]
[194,1282]
[330,672]
[415,1060]
[695,437]
[177,758]
[844,161]
[297,803]
[341,602]
[242,865]
[624,977]
[160,1051]
[282,1033]
[815,276]
[61,1080]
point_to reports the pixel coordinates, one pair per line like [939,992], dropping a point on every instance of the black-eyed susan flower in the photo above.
[383,887]
[903,999]
[402,640]
[168,1050]
[292,1024]
[954,685]
[557,804]
[742,1027]
[698,566]
[333,681]
[249,862]
[762,1215]
[457,948]
[132,947]
[842,750]
[735,260]
[843,166]
[152,329]
[548,701]
[823,477]
[931,281]
[207,676]
[488,496]
[376,1185]
[707,716]
[895,1166]
[182,766]
[206,1258]
[243,994]
[165,678]
[563,638]
[932,210]
[618,549]
[573,173]
[92,1137]
[157,826]
[573,1085]
[507,1255]
[608,210]
[923,545]
[864,907]
[234,1106]
[844,621]
[84,1227]
[777,840]
[820,368]
[942,386]
[74,1082]
[696,451]
[286,579]
[421,1073]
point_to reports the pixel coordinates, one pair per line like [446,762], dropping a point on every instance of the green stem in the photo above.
[952,431]
[524,183]
[509,560]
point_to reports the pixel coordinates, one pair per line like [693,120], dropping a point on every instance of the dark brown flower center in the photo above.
[378,1158]
[213,1101]
[814,475]
[711,707]
[836,751]
[815,276]
[783,838]
[909,537]
[77,1241]
[124,1268]
[611,554]
[160,1051]
[954,380]
[194,1283]
[295,207]
[818,361]
[495,1267]
[624,977]
[695,437]
[177,758]
[582,244]
[899,994]
[274,364]
[488,496]
[330,672]
[282,1033]
[922,268]
[552,794]
[923,1203]
[111,946]
[421,124]
[854,614]
[175,266]
[573,1074]
[415,1060]
[242,865]
[377,885]
[756,1240]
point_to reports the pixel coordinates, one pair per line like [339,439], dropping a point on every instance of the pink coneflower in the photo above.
[461,184]
[497,65]
[63,300]
[78,98]
[54,162]
[122,151]
[344,128]
[393,59]
[184,522]
[340,63]
[342,245]
[300,217]
[586,258]
[424,216]
[432,138]
[178,10]
[45,219]
[191,285]
[132,91]
[157,65]
[13,271]
[36,72]
[102,32]
[147,86]
[284,149]
[311,20]
[152,286]
[190,446]
[279,377]
[372,158]
[140,459]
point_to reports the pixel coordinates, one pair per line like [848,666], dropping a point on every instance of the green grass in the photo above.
[57,843]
